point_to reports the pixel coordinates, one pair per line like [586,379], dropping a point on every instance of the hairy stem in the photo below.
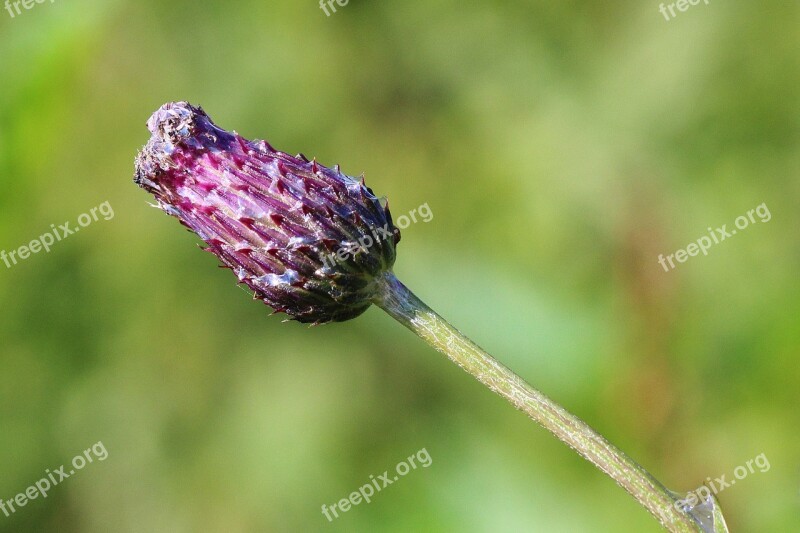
[399,302]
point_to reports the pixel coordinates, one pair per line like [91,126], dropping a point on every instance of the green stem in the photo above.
[399,302]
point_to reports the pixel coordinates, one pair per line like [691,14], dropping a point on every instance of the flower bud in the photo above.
[308,240]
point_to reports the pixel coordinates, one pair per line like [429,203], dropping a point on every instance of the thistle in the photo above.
[319,246]
[308,240]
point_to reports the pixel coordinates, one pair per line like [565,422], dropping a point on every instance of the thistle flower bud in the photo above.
[308,240]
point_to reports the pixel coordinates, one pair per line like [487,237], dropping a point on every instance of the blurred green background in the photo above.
[561,147]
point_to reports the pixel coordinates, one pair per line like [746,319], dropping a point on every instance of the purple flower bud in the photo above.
[308,240]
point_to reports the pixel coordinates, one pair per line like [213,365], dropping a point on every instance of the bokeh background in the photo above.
[561,147]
